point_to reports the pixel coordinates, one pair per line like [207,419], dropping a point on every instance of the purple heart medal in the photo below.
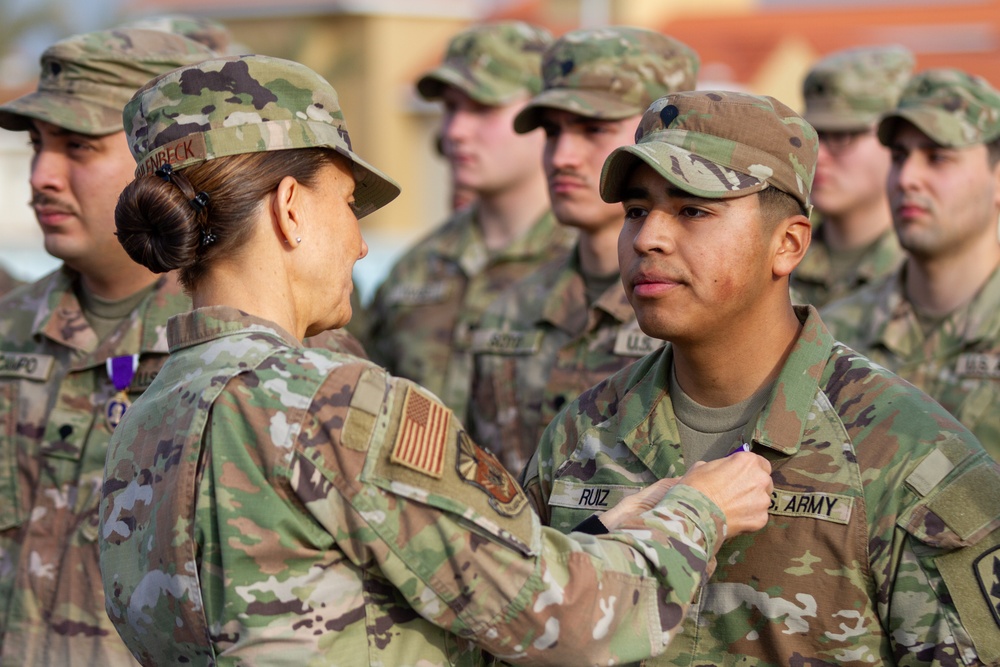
[121,370]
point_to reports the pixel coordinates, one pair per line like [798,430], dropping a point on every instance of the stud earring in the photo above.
[298,239]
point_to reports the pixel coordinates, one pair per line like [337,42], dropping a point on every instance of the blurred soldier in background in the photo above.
[568,326]
[852,243]
[201,29]
[423,315]
[936,320]
[76,346]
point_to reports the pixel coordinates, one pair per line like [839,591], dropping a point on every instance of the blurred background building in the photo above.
[373,51]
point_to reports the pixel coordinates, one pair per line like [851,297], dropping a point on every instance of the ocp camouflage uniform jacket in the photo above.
[813,284]
[539,346]
[267,500]
[421,318]
[54,387]
[884,532]
[958,364]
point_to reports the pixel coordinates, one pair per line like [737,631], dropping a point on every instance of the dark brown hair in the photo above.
[161,229]
[777,205]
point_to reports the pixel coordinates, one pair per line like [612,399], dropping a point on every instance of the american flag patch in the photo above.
[422,434]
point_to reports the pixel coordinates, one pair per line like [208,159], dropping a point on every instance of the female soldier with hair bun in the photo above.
[267,503]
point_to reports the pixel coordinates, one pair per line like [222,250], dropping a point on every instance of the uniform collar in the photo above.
[969,324]
[649,425]
[879,258]
[467,247]
[60,318]
[213,322]
[566,307]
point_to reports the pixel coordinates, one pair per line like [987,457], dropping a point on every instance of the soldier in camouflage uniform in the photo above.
[936,320]
[266,503]
[75,346]
[853,243]
[568,326]
[422,317]
[883,543]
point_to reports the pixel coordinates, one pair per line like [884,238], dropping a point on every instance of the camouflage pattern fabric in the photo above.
[813,281]
[263,499]
[201,29]
[539,346]
[493,63]
[951,107]
[7,281]
[239,105]
[423,315]
[54,390]
[958,363]
[54,433]
[882,504]
[609,74]
[723,145]
[87,79]
[849,90]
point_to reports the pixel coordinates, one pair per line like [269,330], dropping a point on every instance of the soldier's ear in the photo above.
[287,212]
[792,236]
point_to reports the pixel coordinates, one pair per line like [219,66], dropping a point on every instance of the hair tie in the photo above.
[208,237]
[164,171]
[200,201]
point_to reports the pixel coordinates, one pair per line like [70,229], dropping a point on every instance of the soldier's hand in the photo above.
[637,503]
[740,485]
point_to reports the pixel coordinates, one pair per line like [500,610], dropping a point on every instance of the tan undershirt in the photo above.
[103,315]
[711,433]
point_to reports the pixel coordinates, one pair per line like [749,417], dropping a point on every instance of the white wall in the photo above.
[21,251]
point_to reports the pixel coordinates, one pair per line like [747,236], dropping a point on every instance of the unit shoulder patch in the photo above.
[480,468]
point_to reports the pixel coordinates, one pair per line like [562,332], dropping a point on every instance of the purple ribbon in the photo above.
[122,369]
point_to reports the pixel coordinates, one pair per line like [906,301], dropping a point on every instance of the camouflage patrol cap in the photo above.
[492,63]
[609,74]
[719,145]
[951,107]
[87,79]
[850,89]
[201,29]
[244,104]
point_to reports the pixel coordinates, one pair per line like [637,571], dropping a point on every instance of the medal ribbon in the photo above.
[122,369]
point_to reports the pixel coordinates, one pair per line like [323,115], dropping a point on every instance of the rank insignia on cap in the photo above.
[987,568]
[480,468]
[420,442]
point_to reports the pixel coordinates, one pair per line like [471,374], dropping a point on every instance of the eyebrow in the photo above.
[635,192]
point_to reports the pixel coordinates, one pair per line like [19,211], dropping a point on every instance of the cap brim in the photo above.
[931,122]
[600,105]
[840,122]
[61,111]
[681,168]
[373,189]
[432,85]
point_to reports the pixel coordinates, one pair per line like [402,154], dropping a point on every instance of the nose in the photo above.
[48,171]
[364,249]
[457,127]
[650,234]
[905,173]
[562,152]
